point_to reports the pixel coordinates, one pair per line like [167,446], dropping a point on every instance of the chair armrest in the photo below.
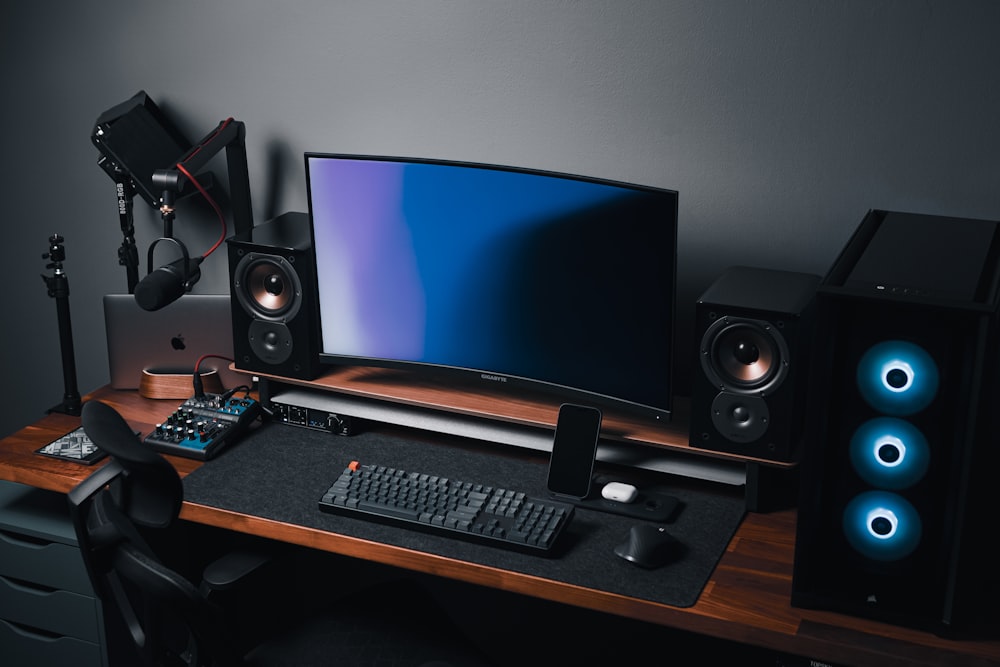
[232,569]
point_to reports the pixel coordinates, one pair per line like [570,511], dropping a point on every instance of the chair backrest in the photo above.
[165,617]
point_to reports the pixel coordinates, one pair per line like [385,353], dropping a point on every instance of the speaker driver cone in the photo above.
[267,286]
[744,355]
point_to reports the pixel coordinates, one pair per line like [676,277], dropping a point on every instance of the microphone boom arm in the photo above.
[229,135]
[163,286]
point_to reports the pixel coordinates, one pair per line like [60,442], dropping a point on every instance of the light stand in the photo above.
[128,255]
[58,286]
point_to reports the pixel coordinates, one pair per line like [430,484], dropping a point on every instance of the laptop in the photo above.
[169,340]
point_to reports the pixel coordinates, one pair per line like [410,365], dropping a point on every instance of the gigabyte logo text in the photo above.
[493,378]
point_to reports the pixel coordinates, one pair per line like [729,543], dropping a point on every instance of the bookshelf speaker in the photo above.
[272,282]
[753,328]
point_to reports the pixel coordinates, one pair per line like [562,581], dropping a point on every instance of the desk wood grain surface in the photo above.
[745,600]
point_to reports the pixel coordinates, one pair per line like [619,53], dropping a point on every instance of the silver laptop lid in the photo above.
[169,340]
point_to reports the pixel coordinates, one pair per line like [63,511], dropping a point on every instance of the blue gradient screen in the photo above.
[535,276]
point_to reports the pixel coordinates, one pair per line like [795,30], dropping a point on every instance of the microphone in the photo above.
[167,283]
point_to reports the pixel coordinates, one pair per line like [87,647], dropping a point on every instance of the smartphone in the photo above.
[574,448]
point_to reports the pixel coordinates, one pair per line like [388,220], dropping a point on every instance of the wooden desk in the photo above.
[746,599]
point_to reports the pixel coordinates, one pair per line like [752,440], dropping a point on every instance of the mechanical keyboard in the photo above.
[469,511]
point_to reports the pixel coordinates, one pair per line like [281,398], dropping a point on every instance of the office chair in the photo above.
[133,501]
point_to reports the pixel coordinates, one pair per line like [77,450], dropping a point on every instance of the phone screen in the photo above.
[571,465]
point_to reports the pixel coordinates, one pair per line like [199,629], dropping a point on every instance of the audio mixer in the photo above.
[201,427]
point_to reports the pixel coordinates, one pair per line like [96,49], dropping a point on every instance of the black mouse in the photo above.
[649,546]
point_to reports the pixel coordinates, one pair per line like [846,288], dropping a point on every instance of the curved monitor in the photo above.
[514,278]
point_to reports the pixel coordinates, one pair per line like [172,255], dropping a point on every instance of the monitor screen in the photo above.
[516,278]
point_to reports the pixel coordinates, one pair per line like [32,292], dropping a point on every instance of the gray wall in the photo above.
[780,123]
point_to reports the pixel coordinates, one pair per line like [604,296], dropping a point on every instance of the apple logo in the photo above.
[177,342]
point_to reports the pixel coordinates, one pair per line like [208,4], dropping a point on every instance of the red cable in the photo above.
[199,391]
[204,193]
[218,211]
[203,357]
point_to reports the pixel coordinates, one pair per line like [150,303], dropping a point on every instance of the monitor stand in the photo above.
[362,393]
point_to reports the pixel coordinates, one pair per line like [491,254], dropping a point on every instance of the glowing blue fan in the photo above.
[882,526]
[890,453]
[897,378]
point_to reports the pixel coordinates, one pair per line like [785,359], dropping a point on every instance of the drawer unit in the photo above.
[48,611]
[23,646]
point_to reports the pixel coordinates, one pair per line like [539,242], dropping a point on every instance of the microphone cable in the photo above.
[199,391]
[204,193]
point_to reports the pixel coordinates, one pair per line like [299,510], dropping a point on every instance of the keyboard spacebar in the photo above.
[389,510]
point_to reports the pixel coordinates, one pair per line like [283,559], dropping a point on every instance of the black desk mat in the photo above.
[279,472]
